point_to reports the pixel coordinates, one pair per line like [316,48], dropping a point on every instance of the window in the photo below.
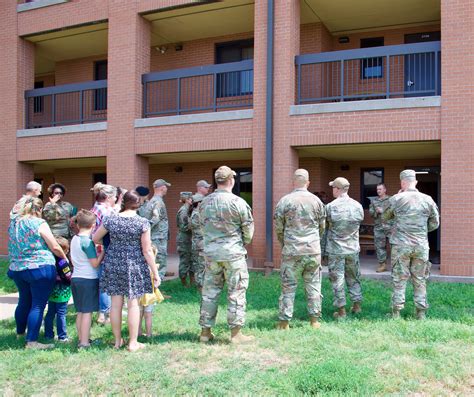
[371,67]
[38,100]
[243,184]
[100,94]
[370,178]
[234,83]
[99,177]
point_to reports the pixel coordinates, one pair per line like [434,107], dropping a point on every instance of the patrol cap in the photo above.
[161,182]
[301,174]
[142,191]
[340,183]
[408,174]
[224,173]
[197,198]
[203,183]
[185,195]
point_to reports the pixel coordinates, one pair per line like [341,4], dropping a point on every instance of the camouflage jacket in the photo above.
[383,204]
[195,224]
[300,220]
[227,225]
[344,216]
[415,214]
[182,222]
[155,211]
[58,216]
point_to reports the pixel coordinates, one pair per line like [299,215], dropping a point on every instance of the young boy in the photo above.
[85,279]
[57,303]
[146,312]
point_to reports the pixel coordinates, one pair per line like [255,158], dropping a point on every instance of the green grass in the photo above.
[369,354]
[7,286]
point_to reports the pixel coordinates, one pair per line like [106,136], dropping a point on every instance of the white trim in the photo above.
[358,106]
[38,4]
[194,118]
[66,129]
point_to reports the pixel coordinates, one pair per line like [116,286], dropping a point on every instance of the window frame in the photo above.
[375,61]
[363,189]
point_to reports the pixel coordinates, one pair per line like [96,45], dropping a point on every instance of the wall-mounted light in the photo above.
[178,47]
[345,167]
[178,168]
[343,39]
[161,48]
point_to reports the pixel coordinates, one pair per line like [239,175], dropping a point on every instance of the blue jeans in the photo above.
[104,299]
[58,309]
[34,287]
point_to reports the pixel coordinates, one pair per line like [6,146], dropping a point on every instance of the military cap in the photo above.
[142,191]
[408,174]
[203,183]
[301,173]
[197,198]
[340,183]
[224,173]
[161,182]
[185,195]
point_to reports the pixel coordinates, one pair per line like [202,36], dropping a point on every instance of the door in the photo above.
[422,71]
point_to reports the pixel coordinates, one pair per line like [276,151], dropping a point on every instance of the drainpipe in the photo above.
[269,142]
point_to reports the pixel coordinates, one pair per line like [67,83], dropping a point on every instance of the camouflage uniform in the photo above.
[199,261]
[183,241]
[344,216]
[415,215]
[299,223]
[227,225]
[155,212]
[58,216]
[382,227]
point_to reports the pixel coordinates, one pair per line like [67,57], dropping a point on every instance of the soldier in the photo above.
[227,224]
[382,227]
[143,192]
[344,216]
[415,214]
[183,239]
[199,261]
[299,223]
[58,213]
[155,211]
[202,188]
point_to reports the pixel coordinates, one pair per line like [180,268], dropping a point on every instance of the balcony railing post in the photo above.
[144,99]
[178,97]
[298,91]
[53,110]
[81,107]
[387,76]
[27,112]
[215,93]
[436,73]
[342,80]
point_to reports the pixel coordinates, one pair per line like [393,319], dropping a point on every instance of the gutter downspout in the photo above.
[269,142]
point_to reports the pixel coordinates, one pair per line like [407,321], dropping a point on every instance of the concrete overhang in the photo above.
[46,166]
[199,157]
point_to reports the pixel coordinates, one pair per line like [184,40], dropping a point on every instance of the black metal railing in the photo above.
[66,104]
[200,89]
[410,70]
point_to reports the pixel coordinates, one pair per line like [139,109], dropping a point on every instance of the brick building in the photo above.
[129,91]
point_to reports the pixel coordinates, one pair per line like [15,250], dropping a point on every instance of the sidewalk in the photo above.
[368,266]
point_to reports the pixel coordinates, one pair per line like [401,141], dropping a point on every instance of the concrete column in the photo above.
[16,76]
[128,59]
[457,138]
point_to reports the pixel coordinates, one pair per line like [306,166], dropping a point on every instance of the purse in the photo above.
[149,299]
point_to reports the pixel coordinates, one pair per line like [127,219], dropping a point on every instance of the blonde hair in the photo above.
[31,206]
[102,191]
[84,219]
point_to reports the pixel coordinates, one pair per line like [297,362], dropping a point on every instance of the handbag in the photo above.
[149,299]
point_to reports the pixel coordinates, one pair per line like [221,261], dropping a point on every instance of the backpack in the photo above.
[64,271]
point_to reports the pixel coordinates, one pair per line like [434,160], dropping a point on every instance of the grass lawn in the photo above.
[368,354]
[7,286]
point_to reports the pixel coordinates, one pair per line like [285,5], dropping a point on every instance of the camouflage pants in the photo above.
[199,265]
[380,241]
[185,258]
[310,268]
[237,277]
[162,255]
[345,269]
[409,263]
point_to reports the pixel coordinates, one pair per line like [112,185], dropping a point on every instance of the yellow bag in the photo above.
[149,299]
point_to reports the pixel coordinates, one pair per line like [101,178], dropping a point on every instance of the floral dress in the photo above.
[125,271]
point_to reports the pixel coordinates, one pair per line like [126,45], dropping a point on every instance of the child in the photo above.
[146,312]
[85,279]
[57,303]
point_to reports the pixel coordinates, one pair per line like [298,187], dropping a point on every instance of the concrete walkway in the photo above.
[368,265]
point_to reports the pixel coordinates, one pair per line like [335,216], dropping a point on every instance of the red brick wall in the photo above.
[76,70]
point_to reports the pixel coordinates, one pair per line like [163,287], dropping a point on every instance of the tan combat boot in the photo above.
[183,282]
[206,335]
[340,314]
[314,322]
[420,314]
[283,325]
[382,267]
[395,314]
[192,279]
[356,309]
[236,336]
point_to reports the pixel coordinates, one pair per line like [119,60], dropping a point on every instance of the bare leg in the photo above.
[133,324]
[116,319]
[78,325]
[149,323]
[84,335]
[140,327]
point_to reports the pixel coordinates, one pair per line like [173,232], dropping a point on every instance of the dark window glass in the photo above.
[100,95]
[99,177]
[38,101]
[371,67]
[234,83]
[370,178]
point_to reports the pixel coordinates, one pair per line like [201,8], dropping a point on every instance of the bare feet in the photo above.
[134,347]
[119,344]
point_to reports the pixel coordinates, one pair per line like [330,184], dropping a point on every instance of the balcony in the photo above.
[212,88]
[398,71]
[66,104]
